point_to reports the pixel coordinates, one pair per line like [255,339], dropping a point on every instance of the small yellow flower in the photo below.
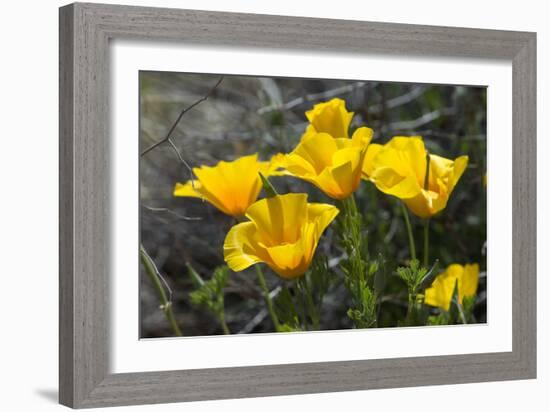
[398,168]
[229,186]
[283,232]
[329,117]
[332,164]
[441,291]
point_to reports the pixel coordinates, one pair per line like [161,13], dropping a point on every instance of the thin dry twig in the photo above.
[185,110]
[312,97]
[255,321]
[391,232]
[422,120]
[171,212]
[158,274]
[442,135]
[178,154]
[167,139]
[399,100]
[261,315]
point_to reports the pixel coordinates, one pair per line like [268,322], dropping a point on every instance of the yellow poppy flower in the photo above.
[441,291]
[229,186]
[283,232]
[332,164]
[398,168]
[329,117]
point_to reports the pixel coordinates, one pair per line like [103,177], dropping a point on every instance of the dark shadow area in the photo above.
[51,395]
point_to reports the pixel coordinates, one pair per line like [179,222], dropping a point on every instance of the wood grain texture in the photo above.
[66,227]
[85,31]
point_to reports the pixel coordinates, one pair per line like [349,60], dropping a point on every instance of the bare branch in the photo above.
[422,120]
[157,273]
[255,321]
[399,100]
[312,97]
[333,262]
[261,315]
[182,161]
[171,212]
[442,135]
[185,110]
[391,232]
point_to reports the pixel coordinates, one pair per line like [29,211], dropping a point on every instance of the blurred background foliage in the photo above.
[245,115]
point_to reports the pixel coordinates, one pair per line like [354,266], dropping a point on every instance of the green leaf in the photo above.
[412,275]
[268,187]
[195,277]
[468,303]
[210,294]
[364,313]
[428,279]
[441,319]
[380,279]
[288,328]
[286,310]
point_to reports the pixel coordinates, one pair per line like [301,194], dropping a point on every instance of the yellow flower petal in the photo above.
[460,165]
[390,182]
[298,166]
[283,232]
[464,277]
[239,249]
[345,180]
[333,165]
[308,134]
[279,218]
[399,169]
[330,117]
[289,259]
[362,136]
[188,189]
[368,164]
[470,279]
[326,156]
[441,292]
[426,203]
[230,186]
[272,167]
[325,182]
[320,215]
[317,151]
[405,155]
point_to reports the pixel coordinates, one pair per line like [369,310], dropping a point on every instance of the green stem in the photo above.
[154,275]
[427,221]
[427,175]
[267,298]
[305,289]
[410,309]
[225,328]
[356,273]
[426,242]
[351,205]
[412,249]
[312,311]
[353,232]
[461,312]
[303,309]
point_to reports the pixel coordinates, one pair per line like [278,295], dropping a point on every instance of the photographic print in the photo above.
[285,205]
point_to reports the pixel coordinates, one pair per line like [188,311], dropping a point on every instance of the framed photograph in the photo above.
[257,205]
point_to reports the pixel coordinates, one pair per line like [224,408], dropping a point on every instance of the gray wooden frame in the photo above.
[85,31]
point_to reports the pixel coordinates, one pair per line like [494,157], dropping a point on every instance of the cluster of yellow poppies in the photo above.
[283,231]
